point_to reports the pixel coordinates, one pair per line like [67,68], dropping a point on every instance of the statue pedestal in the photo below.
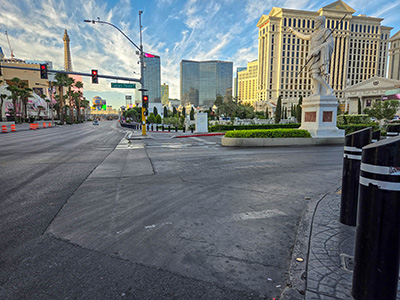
[319,115]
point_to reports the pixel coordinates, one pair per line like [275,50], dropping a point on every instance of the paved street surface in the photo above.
[86,215]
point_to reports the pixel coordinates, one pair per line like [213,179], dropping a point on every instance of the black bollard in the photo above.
[184,129]
[169,128]
[152,127]
[191,129]
[351,173]
[156,127]
[376,136]
[377,249]
[176,128]
[148,126]
[162,127]
[393,130]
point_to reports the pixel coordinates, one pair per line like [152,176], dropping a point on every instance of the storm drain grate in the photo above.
[347,262]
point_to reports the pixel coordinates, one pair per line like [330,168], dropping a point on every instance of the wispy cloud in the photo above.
[173,29]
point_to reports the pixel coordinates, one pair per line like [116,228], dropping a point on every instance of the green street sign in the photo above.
[123,85]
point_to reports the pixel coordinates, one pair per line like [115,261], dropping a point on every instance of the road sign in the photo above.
[123,85]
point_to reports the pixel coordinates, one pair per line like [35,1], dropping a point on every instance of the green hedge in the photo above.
[219,128]
[353,119]
[354,127]
[268,133]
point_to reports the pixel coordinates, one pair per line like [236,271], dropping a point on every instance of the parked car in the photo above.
[95,122]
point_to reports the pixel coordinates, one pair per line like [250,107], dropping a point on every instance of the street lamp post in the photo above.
[140,48]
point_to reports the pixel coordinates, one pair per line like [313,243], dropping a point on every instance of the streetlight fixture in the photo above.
[140,48]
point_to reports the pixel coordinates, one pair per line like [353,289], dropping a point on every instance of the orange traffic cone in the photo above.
[44,125]
[49,124]
[31,126]
[4,129]
[13,128]
[36,126]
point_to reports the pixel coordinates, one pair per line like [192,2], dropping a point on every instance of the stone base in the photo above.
[319,114]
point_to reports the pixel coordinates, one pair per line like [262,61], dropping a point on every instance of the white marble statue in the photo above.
[321,48]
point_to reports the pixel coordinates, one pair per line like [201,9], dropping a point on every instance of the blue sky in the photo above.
[172,29]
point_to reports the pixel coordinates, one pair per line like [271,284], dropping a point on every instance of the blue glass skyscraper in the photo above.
[202,81]
[152,78]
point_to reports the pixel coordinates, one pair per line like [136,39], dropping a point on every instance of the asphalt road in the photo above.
[85,215]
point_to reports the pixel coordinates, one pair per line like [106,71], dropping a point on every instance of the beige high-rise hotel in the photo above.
[247,83]
[361,51]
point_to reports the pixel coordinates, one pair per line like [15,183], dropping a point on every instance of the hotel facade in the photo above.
[247,84]
[361,51]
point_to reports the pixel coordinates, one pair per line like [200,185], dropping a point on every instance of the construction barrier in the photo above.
[4,129]
[49,124]
[44,125]
[31,126]
[36,125]
[13,128]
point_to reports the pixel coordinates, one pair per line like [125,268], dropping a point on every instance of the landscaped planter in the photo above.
[279,142]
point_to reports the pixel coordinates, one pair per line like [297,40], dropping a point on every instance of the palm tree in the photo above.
[15,96]
[79,85]
[25,93]
[85,104]
[61,82]
[70,82]
[2,98]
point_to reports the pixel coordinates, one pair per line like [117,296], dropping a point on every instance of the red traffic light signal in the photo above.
[145,103]
[43,71]
[95,79]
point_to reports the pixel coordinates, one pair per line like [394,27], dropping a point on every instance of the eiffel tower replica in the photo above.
[67,53]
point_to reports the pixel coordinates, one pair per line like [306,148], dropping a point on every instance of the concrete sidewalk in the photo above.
[323,257]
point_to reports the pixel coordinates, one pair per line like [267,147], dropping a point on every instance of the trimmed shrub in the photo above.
[354,127]
[353,119]
[269,133]
[219,128]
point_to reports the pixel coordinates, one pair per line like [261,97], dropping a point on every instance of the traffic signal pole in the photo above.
[142,88]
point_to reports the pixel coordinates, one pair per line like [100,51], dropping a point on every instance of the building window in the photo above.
[284,22]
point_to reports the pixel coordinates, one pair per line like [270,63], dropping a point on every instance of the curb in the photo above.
[200,134]
[297,273]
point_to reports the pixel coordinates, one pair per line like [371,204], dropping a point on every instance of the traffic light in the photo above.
[43,71]
[95,79]
[145,103]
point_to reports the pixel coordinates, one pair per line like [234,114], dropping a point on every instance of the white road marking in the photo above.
[254,215]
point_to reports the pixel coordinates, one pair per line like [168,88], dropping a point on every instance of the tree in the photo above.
[70,82]
[15,90]
[192,114]
[298,110]
[174,112]
[61,82]
[25,93]
[165,112]
[2,98]
[155,112]
[278,110]
[158,119]
[285,115]
[78,99]
[383,110]
[184,112]
[219,100]
[359,107]
[266,113]
[151,119]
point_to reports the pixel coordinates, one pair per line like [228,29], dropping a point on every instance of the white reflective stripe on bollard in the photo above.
[383,185]
[352,149]
[382,170]
[352,156]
